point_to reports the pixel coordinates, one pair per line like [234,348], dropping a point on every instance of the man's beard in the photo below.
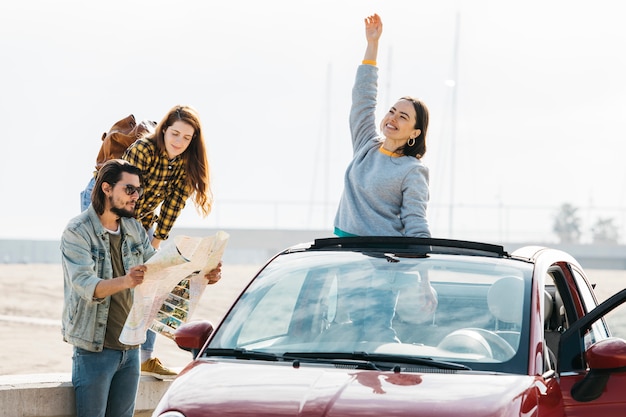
[120,211]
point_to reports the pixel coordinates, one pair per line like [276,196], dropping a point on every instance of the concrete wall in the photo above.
[52,395]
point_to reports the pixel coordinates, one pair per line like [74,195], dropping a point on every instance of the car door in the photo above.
[591,364]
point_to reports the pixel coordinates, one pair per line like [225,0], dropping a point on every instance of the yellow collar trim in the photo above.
[388,153]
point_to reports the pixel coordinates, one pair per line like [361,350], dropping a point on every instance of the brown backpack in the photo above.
[121,135]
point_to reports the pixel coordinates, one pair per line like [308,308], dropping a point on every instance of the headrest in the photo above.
[505,299]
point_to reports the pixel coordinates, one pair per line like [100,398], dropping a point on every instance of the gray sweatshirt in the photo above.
[384,195]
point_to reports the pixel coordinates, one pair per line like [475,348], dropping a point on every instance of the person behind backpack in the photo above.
[173,163]
[174,166]
[114,143]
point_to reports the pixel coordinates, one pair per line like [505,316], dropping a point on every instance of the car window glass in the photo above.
[453,308]
[598,330]
[273,313]
[584,290]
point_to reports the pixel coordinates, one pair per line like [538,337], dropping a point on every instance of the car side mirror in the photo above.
[603,358]
[193,335]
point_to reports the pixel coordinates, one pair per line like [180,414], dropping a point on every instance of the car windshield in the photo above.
[461,309]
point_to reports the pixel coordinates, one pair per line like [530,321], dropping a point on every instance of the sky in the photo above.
[527,103]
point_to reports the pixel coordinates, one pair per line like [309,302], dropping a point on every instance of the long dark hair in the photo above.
[111,173]
[421,122]
[195,156]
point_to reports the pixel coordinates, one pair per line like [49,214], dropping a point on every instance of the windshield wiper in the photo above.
[377,357]
[328,358]
[241,354]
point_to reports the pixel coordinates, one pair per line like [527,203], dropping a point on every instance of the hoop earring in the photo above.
[410,142]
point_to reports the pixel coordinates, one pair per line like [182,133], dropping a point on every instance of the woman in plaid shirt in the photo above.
[173,162]
[174,167]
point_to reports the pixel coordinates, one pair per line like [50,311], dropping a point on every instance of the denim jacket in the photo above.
[86,259]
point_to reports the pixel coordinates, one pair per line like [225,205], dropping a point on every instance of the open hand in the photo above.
[373,27]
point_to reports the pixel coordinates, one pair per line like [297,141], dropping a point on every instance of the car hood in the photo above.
[243,388]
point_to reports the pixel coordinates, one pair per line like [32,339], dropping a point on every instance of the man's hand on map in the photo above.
[214,275]
[135,275]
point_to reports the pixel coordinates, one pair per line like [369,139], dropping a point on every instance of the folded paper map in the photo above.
[172,286]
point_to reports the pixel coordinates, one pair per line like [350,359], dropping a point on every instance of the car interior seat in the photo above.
[555,325]
[505,301]
[548,314]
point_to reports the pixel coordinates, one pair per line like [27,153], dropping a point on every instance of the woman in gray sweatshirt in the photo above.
[386,184]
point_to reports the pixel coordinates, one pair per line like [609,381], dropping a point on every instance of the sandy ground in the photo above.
[30,317]
[32,300]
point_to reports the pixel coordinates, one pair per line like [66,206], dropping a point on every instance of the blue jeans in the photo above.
[85,195]
[105,383]
[85,201]
[148,345]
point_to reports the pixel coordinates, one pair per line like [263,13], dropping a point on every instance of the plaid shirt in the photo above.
[164,184]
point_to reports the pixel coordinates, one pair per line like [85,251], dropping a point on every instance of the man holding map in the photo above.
[104,254]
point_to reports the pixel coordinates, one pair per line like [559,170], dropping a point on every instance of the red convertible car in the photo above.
[384,326]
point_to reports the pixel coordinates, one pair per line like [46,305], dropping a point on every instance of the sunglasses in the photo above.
[131,189]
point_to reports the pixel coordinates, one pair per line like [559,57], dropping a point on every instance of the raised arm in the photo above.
[373,30]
